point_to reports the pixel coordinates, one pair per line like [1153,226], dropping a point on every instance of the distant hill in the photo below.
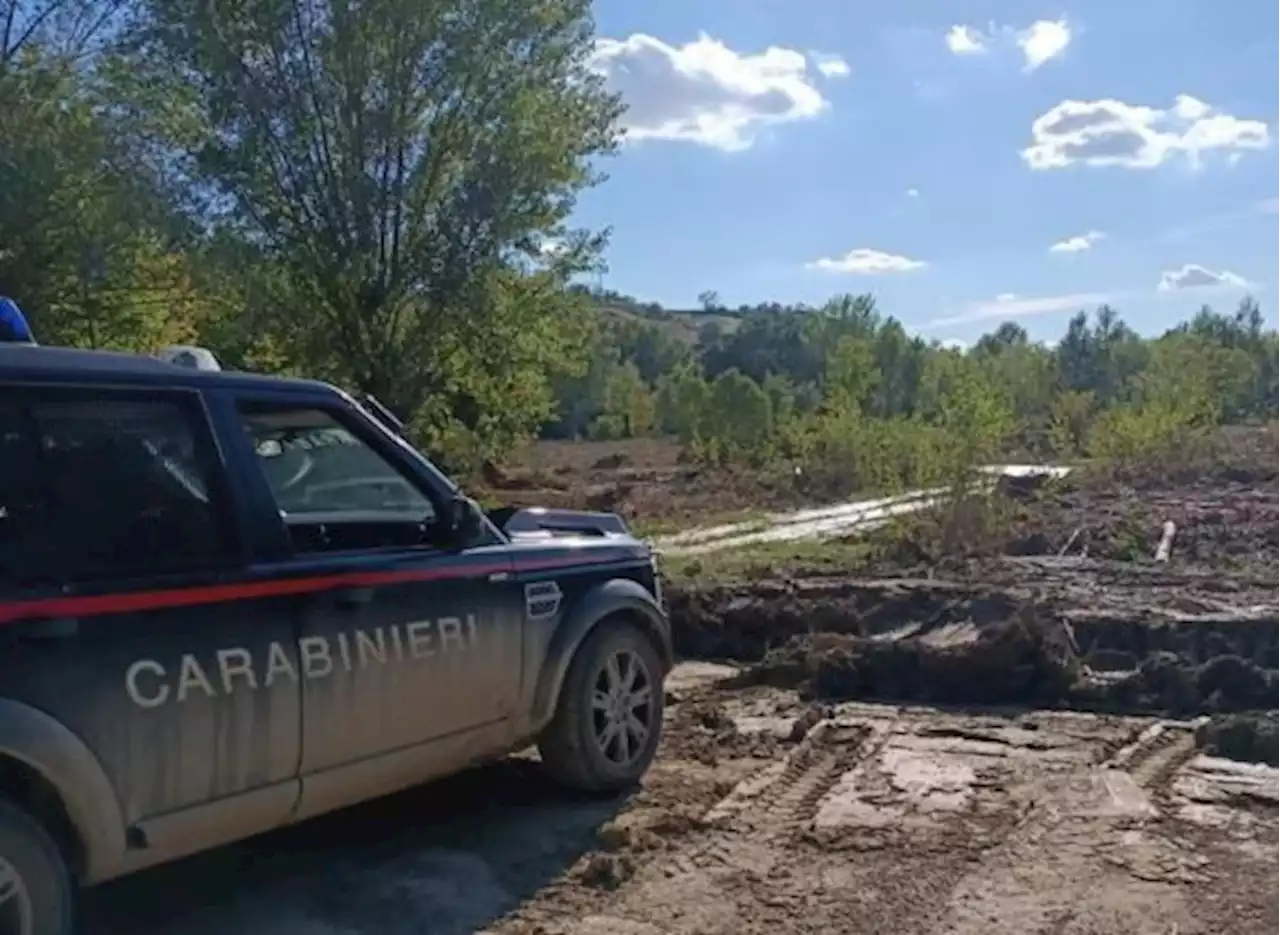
[683,325]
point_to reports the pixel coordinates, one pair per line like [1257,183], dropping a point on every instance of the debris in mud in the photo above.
[708,732]
[1250,738]
[806,722]
[607,871]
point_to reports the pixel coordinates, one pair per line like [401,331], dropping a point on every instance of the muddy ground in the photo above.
[1046,732]
[643,479]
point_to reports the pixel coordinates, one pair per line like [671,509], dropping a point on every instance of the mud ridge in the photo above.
[948,642]
[1251,737]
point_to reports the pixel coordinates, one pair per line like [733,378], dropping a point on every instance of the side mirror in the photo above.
[463,520]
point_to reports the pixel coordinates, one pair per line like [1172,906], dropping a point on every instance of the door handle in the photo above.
[352,598]
[48,628]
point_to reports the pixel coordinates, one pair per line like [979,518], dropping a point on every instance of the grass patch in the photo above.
[801,558]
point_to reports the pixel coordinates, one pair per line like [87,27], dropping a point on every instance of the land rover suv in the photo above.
[230,602]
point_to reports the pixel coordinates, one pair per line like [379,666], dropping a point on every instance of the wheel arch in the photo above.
[40,758]
[613,599]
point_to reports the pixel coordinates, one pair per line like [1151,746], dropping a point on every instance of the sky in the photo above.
[965,161]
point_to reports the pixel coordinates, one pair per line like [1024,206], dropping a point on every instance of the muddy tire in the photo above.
[37,894]
[608,718]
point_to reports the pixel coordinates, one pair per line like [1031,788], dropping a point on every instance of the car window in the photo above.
[333,490]
[21,499]
[128,485]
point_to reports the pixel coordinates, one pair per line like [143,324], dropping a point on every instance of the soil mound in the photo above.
[1248,737]
[1020,659]
[947,642]
[745,622]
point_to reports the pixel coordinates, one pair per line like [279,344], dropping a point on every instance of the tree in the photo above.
[68,31]
[739,416]
[683,403]
[627,409]
[402,163]
[86,240]
[851,373]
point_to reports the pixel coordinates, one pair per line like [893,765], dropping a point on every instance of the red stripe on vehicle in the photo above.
[136,601]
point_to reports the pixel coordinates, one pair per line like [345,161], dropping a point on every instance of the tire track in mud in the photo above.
[1084,852]
[786,797]
[1155,757]
[741,872]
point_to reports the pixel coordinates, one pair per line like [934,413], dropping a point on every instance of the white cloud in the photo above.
[1040,42]
[913,193]
[866,262]
[1194,276]
[831,66]
[965,40]
[1077,243]
[1043,40]
[1008,305]
[704,92]
[1113,133]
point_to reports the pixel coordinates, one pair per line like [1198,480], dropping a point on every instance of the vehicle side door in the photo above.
[405,643]
[127,611]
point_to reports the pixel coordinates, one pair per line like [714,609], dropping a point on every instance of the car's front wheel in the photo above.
[608,718]
[37,896]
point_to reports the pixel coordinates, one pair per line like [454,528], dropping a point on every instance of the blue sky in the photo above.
[932,152]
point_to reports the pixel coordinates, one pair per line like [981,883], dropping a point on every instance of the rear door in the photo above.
[128,613]
[402,643]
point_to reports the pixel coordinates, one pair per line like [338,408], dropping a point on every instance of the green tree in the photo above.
[86,244]
[401,163]
[627,410]
[739,418]
[683,402]
[851,375]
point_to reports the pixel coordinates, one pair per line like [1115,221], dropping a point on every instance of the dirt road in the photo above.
[1036,764]
[765,814]
[827,521]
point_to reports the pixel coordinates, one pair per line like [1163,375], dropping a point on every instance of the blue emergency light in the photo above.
[13,324]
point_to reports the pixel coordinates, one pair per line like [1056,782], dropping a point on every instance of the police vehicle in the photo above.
[230,602]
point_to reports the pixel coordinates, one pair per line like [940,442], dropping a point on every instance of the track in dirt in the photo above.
[772,811]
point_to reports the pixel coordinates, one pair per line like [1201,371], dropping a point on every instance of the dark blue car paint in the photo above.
[524,604]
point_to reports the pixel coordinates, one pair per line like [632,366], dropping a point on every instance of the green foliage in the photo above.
[628,407]
[380,194]
[738,418]
[1070,416]
[684,401]
[402,163]
[850,374]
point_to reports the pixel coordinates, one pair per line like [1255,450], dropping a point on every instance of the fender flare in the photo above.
[607,599]
[63,760]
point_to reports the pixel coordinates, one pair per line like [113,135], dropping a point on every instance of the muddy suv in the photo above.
[231,602]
